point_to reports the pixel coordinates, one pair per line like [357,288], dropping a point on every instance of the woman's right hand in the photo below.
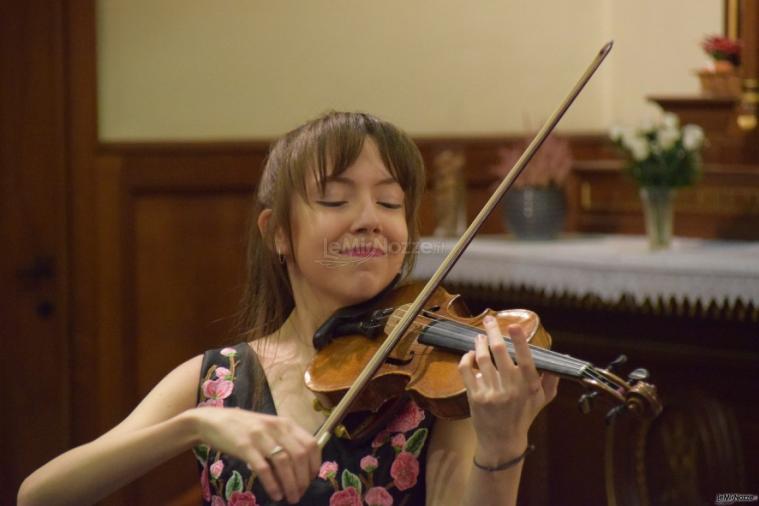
[252,437]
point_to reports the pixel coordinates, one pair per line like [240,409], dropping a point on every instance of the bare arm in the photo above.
[165,424]
[504,399]
[158,429]
[452,479]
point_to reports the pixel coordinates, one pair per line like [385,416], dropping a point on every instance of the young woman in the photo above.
[336,221]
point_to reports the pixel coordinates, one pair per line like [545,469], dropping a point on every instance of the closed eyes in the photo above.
[338,203]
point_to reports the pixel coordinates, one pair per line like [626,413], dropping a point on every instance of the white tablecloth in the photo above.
[609,267]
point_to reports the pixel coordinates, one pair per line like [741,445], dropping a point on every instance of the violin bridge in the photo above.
[402,353]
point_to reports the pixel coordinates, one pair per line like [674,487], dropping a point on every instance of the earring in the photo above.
[281,257]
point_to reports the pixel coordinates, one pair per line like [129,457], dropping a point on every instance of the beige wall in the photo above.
[658,51]
[242,69]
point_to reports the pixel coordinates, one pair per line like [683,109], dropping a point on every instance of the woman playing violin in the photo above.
[336,221]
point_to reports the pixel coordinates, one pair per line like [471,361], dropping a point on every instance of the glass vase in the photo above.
[658,211]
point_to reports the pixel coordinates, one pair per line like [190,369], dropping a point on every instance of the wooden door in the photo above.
[34,283]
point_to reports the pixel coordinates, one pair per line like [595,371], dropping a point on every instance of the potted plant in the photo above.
[661,157]
[724,52]
[721,79]
[535,207]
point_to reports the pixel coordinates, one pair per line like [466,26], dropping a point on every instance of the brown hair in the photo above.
[333,140]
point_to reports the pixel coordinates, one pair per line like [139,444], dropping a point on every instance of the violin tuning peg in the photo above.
[639,374]
[614,412]
[616,362]
[585,402]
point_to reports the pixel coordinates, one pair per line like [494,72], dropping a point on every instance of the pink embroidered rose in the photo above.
[328,470]
[217,501]
[398,441]
[216,469]
[218,388]
[204,487]
[211,403]
[378,496]
[229,352]
[222,372]
[409,418]
[380,438]
[347,497]
[242,499]
[369,463]
[405,470]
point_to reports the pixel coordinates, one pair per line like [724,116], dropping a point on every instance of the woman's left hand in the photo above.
[504,398]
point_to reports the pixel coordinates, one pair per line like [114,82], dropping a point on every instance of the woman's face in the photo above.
[349,242]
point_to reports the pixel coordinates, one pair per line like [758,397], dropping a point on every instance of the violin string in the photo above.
[541,355]
[548,355]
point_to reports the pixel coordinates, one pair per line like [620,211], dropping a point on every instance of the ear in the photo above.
[281,246]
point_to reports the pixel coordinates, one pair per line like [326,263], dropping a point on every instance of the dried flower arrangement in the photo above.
[549,167]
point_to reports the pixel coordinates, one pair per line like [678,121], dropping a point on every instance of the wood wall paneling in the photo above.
[724,204]
[171,245]
[188,270]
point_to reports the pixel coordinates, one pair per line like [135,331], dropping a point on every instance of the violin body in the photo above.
[428,373]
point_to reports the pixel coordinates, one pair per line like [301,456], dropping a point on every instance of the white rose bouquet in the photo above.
[662,154]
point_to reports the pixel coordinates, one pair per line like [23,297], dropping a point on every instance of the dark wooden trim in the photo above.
[173,148]
[584,139]
[82,134]
[673,102]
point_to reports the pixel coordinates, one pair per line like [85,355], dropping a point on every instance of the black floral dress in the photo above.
[388,469]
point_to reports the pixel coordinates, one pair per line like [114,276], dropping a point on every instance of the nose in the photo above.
[367,218]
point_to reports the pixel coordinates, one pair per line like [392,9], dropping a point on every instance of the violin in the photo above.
[423,338]
[424,363]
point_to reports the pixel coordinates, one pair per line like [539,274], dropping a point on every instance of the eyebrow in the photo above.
[350,182]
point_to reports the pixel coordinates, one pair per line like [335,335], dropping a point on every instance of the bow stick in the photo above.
[341,409]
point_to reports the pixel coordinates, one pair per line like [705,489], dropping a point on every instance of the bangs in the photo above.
[330,146]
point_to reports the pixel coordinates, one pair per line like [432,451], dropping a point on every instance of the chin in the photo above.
[362,285]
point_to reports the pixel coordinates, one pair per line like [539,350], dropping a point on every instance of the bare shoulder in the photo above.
[175,393]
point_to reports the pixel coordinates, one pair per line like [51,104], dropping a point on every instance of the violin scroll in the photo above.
[635,394]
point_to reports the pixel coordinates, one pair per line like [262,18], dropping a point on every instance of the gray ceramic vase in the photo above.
[535,213]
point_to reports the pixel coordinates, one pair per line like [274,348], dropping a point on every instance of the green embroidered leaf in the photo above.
[415,443]
[234,484]
[201,453]
[351,480]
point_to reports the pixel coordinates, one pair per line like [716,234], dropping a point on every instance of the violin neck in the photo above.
[454,337]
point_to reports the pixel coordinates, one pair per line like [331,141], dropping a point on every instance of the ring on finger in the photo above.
[277,449]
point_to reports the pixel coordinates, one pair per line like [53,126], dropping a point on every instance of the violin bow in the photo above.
[341,409]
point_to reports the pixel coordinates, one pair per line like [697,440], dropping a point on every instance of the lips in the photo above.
[367,251]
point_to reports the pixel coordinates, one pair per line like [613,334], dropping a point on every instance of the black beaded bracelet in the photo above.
[507,464]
